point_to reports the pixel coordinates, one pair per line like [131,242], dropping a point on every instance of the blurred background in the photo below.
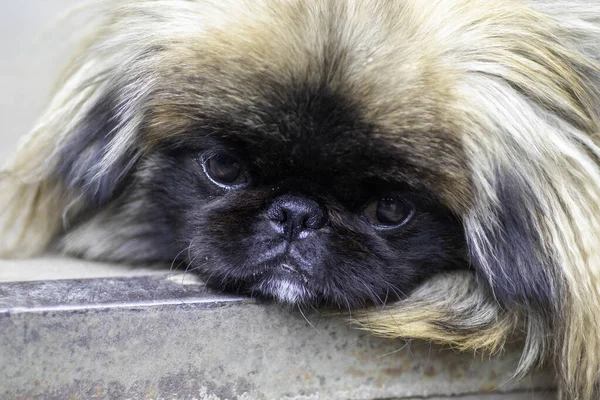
[33,49]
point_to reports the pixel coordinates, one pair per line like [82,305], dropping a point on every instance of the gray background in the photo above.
[32,53]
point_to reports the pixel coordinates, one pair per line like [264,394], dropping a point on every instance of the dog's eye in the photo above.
[224,170]
[389,212]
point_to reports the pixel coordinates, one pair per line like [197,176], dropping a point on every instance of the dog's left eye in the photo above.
[224,170]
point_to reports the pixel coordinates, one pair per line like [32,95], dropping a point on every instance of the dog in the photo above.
[436,157]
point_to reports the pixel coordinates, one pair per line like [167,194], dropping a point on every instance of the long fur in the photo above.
[521,81]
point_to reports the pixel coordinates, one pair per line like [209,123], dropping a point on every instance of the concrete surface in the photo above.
[153,338]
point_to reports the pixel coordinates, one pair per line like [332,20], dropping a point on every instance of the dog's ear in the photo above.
[92,161]
[72,161]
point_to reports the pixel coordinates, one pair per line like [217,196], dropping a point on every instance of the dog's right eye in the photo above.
[225,171]
[389,212]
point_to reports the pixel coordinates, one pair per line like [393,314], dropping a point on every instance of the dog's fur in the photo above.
[491,107]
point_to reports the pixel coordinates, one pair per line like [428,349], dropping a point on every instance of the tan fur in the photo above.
[463,87]
[470,321]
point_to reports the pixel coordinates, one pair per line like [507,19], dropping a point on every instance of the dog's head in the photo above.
[278,165]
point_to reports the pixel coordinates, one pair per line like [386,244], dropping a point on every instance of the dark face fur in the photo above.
[306,214]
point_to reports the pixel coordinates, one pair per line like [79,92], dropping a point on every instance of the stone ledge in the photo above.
[153,337]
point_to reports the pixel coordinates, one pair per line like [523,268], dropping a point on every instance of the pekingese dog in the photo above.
[438,157]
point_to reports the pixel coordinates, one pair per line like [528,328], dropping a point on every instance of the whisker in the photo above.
[190,262]
[394,351]
[175,259]
[306,319]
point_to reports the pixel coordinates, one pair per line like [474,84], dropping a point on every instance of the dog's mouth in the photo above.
[281,278]
[281,269]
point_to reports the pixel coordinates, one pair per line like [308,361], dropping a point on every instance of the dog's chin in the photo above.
[285,291]
[286,284]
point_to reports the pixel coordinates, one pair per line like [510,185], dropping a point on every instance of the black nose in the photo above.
[296,215]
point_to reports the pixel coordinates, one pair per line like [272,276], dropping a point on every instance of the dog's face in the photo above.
[307,209]
[309,217]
